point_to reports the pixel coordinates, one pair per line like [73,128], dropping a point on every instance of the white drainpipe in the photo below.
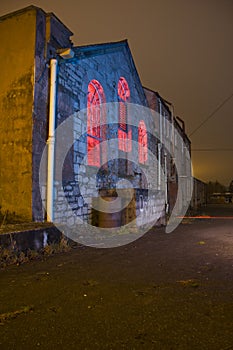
[160,145]
[166,182]
[160,122]
[51,139]
[159,166]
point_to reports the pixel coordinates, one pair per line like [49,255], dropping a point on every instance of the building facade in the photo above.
[117,131]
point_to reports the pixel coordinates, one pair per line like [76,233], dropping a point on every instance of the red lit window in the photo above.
[142,143]
[95,115]
[124,132]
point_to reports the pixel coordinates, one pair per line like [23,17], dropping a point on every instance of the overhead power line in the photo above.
[212,150]
[212,114]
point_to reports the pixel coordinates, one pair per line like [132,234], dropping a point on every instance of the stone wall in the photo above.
[82,183]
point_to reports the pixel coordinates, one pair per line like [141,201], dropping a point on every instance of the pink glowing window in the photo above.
[142,143]
[124,132]
[95,115]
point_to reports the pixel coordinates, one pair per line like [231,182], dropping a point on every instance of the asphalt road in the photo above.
[164,291]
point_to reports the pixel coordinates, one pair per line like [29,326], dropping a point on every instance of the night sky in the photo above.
[182,48]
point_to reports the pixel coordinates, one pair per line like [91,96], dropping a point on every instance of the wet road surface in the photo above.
[164,291]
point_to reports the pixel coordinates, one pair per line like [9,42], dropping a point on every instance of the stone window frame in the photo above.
[124,130]
[96,133]
[142,142]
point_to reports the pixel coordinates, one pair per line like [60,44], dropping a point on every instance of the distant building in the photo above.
[220,198]
[199,197]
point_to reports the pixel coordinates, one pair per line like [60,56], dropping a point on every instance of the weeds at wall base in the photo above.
[13,256]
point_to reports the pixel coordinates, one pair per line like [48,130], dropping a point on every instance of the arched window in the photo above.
[95,115]
[142,142]
[124,131]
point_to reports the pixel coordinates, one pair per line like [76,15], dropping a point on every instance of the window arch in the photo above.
[124,131]
[142,142]
[95,115]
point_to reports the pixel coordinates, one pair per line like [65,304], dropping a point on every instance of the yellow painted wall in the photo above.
[17,40]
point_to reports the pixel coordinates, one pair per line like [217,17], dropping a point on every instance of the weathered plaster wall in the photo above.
[17,37]
[29,38]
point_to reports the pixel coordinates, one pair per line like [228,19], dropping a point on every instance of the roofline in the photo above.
[184,135]
[35,8]
[51,14]
[166,103]
[146,88]
[103,48]
[85,51]
[98,46]
[18,12]
[177,124]
[199,180]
